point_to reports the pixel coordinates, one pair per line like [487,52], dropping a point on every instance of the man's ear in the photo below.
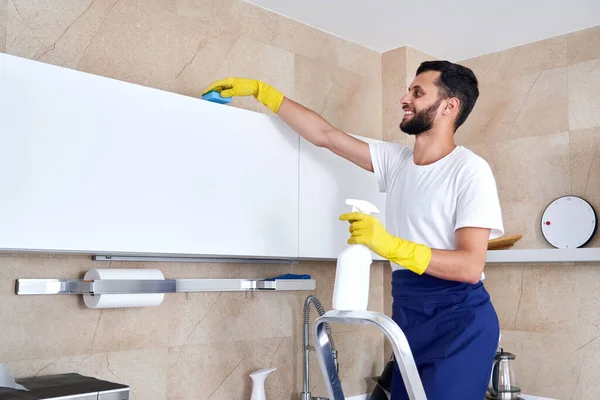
[452,106]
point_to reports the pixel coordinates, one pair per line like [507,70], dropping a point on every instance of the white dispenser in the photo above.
[258,383]
[353,271]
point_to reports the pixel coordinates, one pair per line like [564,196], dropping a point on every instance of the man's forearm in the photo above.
[307,123]
[456,265]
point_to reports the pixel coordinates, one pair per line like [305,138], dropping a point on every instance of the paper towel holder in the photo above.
[120,286]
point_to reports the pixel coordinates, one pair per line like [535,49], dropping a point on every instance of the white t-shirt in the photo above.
[428,203]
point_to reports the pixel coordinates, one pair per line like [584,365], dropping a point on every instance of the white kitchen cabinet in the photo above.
[95,165]
[326,181]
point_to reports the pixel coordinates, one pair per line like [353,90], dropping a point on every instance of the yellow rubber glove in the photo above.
[368,230]
[264,93]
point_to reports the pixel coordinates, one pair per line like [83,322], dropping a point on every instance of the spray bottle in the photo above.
[353,271]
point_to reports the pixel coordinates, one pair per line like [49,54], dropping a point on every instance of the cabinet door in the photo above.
[95,165]
[326,181]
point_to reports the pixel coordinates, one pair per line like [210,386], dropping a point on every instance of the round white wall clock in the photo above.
[569,222]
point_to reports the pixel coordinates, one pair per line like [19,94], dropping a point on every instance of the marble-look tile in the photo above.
[43,326]
[49,57]
[141,43]
[534,167]
[588,328]
[587,296]
[191,9]
[539,56]
[201,71]
[491,68]
[544,110]
[496,110]
[361,358]
[523,60]
[585,162]
[530,105]
[394,84]
[297,38]
[169,324]
[336,109]
[584,95]
[524,217]
[20,39]
[175,18]
[256,60]
[289,361]
[248,317]
[219,372]
[351,57]
[504,282]
[74,41]
[583,45]
[595,202]
[243,18]
[251,22]
[314,83]
[144,371]
[589,370]
[348,101]
[363,112]
[48,20]
[546,364]
[547,302]
[3,18]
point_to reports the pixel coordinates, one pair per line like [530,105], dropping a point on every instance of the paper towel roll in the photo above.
[124,300]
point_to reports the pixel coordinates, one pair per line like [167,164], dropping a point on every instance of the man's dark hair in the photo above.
[454,81]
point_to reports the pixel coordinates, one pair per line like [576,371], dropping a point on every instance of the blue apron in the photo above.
[453,332]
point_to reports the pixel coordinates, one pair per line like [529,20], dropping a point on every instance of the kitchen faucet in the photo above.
[306,347]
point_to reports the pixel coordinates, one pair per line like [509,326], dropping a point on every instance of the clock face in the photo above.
[569,222]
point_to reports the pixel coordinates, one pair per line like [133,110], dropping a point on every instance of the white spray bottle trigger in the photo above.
[362,206]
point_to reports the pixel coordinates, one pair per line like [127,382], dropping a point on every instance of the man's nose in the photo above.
[405,101]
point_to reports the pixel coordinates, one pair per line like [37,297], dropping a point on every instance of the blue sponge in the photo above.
[289,276]
[216,97]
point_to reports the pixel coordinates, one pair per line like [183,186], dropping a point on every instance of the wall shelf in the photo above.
[543,255]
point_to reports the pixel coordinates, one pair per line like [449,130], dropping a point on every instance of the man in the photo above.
[442,208]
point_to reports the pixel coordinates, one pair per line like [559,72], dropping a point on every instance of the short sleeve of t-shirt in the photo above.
[478,204]
[386,158]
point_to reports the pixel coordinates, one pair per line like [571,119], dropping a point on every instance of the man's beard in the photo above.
[421,121]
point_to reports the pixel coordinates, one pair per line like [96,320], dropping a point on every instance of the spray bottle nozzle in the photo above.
[362,206]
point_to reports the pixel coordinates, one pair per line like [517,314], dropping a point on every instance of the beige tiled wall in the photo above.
[537,123]
[199,346]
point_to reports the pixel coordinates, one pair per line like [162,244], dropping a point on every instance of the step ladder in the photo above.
[404,357]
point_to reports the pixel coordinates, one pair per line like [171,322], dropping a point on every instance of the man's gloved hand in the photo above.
[367,230]
[264,93]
